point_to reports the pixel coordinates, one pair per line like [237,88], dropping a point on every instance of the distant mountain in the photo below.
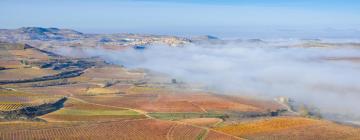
[256,40]
[38,33]
[207,39]
[46,37]
[204,38]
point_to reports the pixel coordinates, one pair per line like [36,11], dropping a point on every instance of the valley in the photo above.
[49,94]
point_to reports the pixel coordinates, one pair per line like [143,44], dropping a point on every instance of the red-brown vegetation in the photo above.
[184,132]
[291,128]
[214,135]
[125,129]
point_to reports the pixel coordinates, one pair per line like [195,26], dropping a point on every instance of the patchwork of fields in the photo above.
[106,101]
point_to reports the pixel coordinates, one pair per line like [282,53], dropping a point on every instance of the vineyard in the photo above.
[25,53]
[10,63]
[16,97]
[209,102]
[111,130]
[13,100]
[80,111]
[109,73]
[144,90]
[24,73]
[129,101]
[186,115]
[185,132]
[206,122]
[123,129]
[290,128]
[101,91]
[214,135]
[174,102]
[88,98]
[8,107]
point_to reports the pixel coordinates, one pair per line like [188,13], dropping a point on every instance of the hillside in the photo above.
[66,97]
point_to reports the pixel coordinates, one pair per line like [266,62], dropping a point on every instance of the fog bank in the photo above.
[258,69]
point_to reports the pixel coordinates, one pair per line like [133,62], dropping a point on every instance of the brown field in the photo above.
[208,102]
[101,91]
[170,106]
[29,54]
[11,64]
[122,129]
[170,101]
[111,72]
[126,129]
[75,110]
[80,79]
[258,103]
[24,73]
[129,101]
[291,128]
[59,90]
[88,118]
[144,90]
[21,125]
[215,135]
[17,97]
[14,98]
[185,132]
[146,102]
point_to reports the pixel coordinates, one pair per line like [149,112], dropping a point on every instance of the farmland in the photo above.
[79,111]
[189,115]
[206,122]
[88,98]
[121,129]
[297,128]
[106,99]
[109,100]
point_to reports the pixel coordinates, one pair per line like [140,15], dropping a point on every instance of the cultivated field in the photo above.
[105,101]
[291,128]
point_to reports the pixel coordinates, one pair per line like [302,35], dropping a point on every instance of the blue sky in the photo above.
[218,17]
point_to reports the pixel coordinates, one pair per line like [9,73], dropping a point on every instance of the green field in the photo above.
[186,115]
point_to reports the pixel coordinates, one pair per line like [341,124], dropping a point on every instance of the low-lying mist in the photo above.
[259,69]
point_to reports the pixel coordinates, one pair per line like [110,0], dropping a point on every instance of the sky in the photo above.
[291,18]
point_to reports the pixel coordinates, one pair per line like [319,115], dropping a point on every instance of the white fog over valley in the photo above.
[315,76]
[180,69]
